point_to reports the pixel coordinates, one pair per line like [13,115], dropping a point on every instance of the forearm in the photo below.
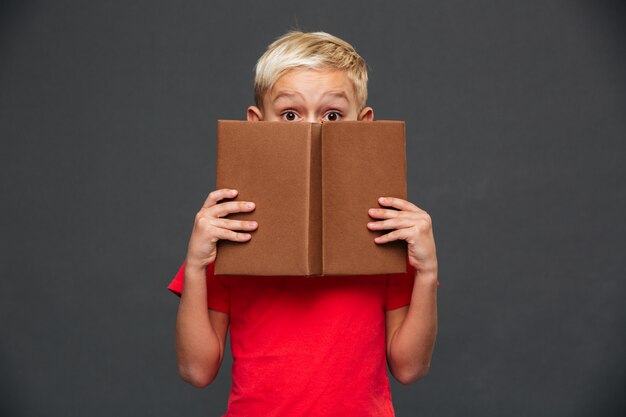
[198,347]
[412,344]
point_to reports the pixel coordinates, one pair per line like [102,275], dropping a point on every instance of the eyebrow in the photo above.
[337,94]
[294,94]
[287,94]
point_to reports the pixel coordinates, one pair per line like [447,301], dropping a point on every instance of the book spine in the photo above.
[315,200]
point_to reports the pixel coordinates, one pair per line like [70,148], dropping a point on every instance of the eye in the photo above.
[332,116]
[289,116]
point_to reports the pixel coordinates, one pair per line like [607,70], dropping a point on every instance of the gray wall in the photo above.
[516,121]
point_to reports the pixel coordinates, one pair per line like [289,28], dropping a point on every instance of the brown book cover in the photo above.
[312,185]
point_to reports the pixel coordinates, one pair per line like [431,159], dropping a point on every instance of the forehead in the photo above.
[312,85]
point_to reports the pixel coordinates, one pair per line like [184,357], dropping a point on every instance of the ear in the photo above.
[366,115]
[254,114]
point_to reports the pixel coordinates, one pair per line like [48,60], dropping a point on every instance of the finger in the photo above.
[224,209]
[224,234]
[217,195]
[398,203]
[401,234]
[384,213]
[233,224]
[391,224]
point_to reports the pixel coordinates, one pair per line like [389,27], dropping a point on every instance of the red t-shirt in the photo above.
[307,346]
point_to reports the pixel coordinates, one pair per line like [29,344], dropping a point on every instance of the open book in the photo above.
[312,185]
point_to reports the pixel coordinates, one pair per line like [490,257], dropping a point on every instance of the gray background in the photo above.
[516,124]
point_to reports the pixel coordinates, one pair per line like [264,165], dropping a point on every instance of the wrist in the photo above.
[195,265]
[427,277]
[426,267]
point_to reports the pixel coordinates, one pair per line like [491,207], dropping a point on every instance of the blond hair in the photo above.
[315,50]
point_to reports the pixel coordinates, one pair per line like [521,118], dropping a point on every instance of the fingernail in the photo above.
[249,205]
[382,199]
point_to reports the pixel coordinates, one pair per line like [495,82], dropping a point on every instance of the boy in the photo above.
[306,346]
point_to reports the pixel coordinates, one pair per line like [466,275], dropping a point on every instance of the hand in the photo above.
[413,225]
[209,227]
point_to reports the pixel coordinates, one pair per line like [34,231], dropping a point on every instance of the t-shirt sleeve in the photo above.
[400,288]
[218,293]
